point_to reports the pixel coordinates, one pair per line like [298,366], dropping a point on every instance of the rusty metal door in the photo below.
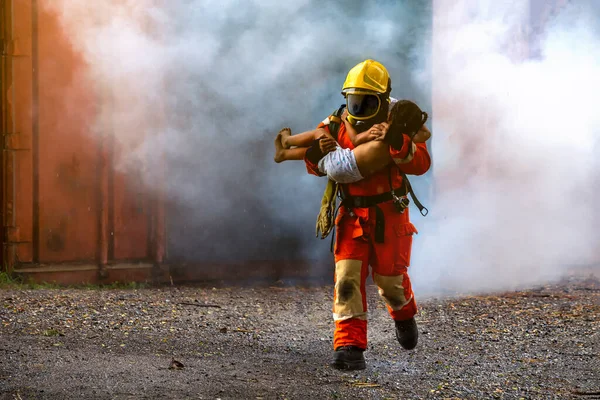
[17,132]
[64,208]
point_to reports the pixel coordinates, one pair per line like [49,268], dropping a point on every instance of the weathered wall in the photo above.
[64,203]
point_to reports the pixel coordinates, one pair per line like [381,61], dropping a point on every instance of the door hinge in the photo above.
[12,142]
[11,234]
[11,48]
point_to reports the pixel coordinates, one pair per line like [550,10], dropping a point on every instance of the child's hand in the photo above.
[327,144]
[378,131]
[422,135]
[344,114]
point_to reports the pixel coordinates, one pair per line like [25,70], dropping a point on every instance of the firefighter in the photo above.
[373,227]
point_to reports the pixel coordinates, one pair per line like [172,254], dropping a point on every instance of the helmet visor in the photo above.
[362,106]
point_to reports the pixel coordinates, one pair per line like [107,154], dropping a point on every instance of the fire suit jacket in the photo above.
[412,159]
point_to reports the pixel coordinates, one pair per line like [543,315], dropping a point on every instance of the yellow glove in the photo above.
[325,220]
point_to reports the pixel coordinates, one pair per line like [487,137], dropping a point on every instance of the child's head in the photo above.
[405,117]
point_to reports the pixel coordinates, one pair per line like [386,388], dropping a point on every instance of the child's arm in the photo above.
[375,132]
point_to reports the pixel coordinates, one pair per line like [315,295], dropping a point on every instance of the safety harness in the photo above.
[399,196]
[326,218]
[328,212]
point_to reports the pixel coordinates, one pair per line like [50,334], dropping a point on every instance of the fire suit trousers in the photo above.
[356,249]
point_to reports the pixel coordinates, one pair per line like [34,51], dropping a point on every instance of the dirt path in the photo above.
[275,343]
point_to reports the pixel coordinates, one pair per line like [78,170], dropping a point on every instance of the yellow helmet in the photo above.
[368,75]
[366,89]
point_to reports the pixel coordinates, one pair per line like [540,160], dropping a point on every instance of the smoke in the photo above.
[203,86]
[517,135]
[206,85]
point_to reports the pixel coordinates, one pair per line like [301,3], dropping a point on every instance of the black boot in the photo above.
[349,358]
[407,333]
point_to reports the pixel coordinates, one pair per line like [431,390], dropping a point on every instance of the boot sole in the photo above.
[409,346]
[410,342]
[349,365]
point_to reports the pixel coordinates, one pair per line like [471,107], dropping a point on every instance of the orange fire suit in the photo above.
[356,246]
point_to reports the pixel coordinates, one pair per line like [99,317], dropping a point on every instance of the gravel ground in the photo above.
[275,343]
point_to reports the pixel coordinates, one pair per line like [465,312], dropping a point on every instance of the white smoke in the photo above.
[206,85]
[515,149]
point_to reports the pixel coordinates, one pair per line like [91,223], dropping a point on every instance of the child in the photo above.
[302,141]
[371,152]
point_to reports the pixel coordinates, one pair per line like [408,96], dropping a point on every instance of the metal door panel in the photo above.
[131,210]
[69,155]
[62,201]
[17,146]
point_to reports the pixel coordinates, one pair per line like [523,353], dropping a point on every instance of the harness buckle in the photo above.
[401,203]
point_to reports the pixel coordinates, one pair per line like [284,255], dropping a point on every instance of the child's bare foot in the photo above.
[285,134]
[279,150]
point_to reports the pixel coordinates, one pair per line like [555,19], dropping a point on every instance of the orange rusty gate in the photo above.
[66,215]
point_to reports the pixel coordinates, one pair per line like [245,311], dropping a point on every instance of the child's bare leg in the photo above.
[279,149]
[285,134]
[283,154]
[372,157]
[303,139]
[295,154]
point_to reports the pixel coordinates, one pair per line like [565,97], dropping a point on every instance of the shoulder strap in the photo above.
[422,209]
[335,120]
[326,217]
